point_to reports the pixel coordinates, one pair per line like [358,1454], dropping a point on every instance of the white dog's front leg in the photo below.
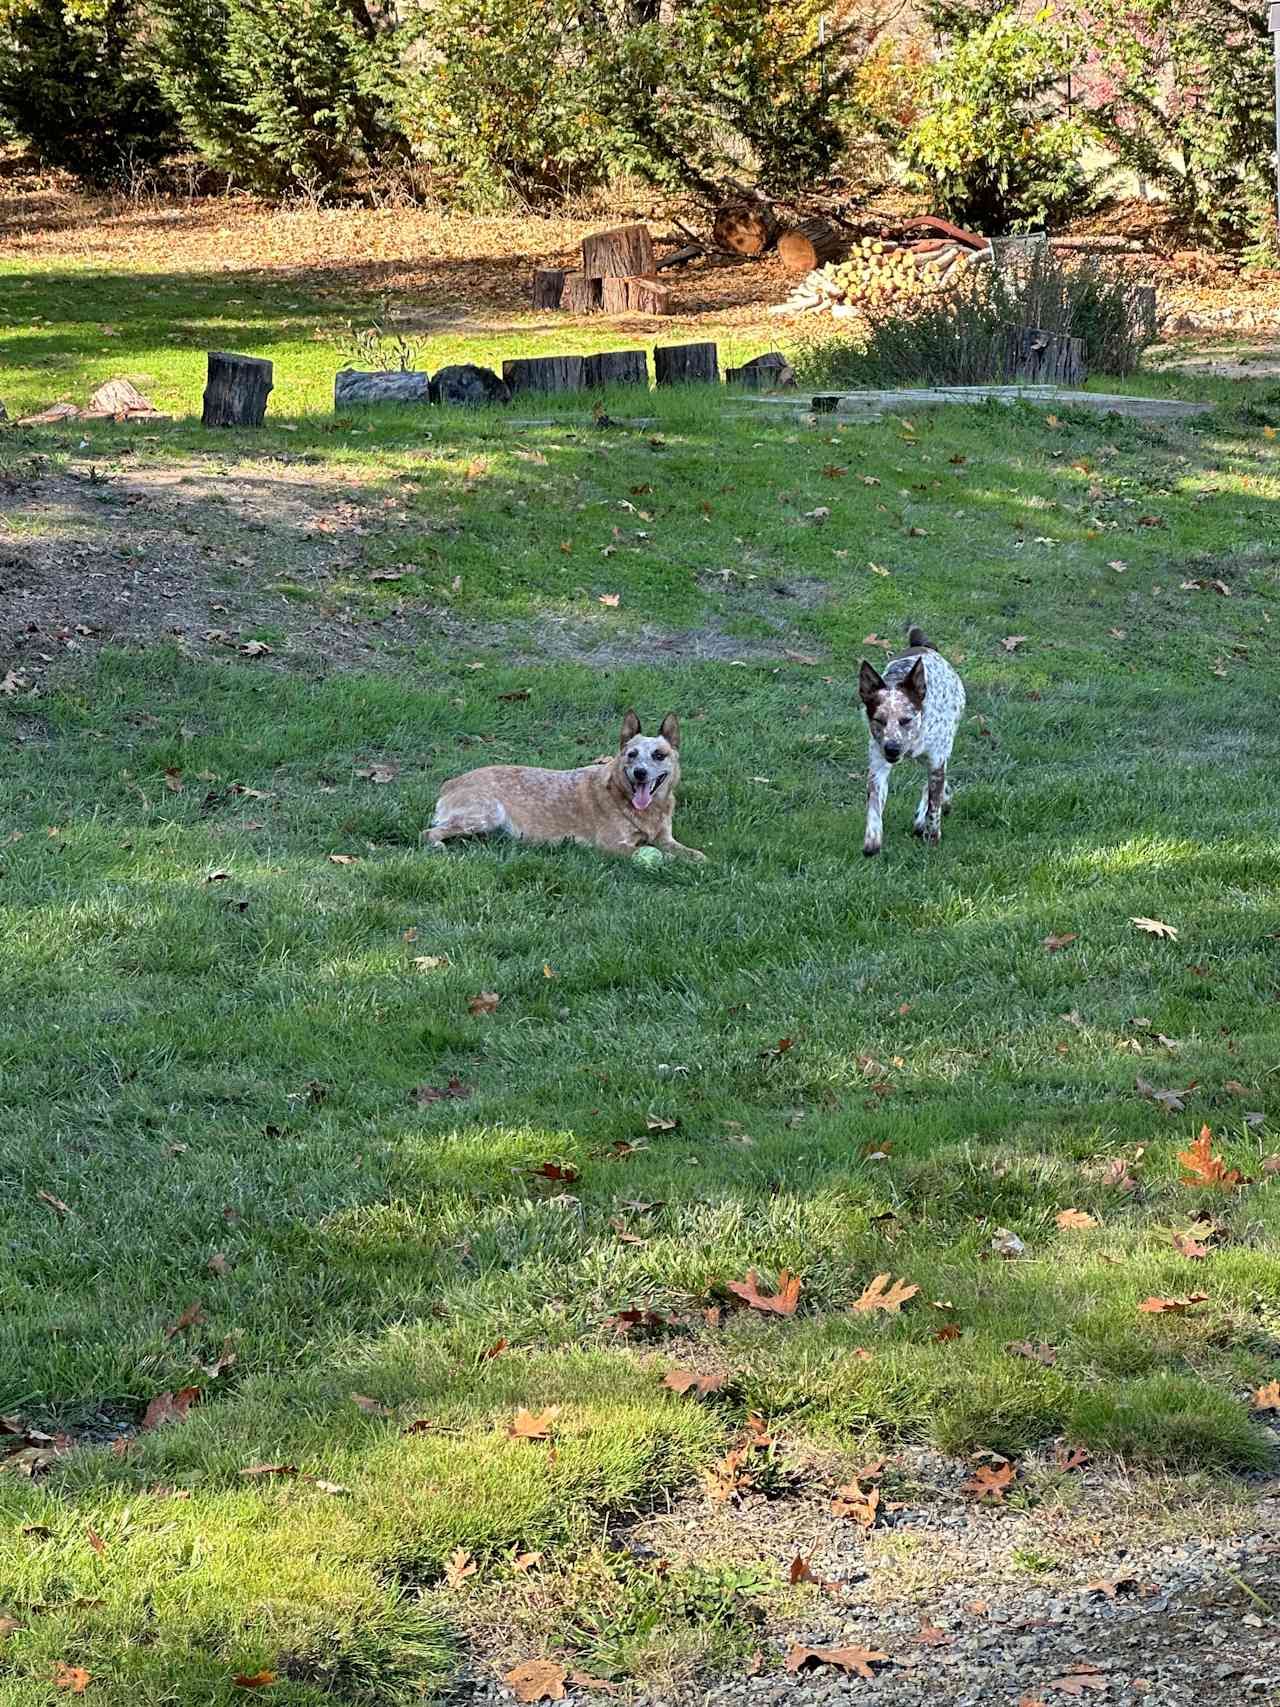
[877,793]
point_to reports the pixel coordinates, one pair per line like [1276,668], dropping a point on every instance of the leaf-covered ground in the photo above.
[262,1143]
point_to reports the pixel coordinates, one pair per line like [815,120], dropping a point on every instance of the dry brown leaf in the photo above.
[1267,1398]
[1156,927]
[1011,642]
[1171,1306]
[1036,1352]
[1051,944]
[882,1293]
[537,1680]
[781,1303]
[610,600]
[859,1660]
[218,1263]
[1076,1682]
[95,1540]
[254,1680]
[74,1679]
[990,1482]
[1075,1220]
[1187,1245]
[55,1203]
[528,1427]
[686,1381]
[344,859]
[1070,1457]
[168,1408]
[930,1636]
[191,1317]
[597,1685]
[458,1567]
[526,1561]
[371,1407]
[859,1507]
[270,1470]
[1202,1167]
[485,1003]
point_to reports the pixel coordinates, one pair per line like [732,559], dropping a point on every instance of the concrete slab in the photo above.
[866,404]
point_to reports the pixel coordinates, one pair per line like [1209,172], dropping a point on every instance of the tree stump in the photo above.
[771,372]
[618,254]
[544,373]
[581,295]
[679,364]
[809,245]
[468,384]
[745,228]
[617,367]
[646,296]
[548,284]
[235,394]
[1036,357]
[352,386]
[1143,309]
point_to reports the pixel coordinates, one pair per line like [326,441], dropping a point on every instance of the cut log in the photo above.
[615,296]
[581,295]
[548,283]
[466,383]
[544,373]
[50,417]
[120,400]
[617,367]
[236,392]
[745,228]
[679,364]
[352,385]
[770,372]
[808,245]
[646,296]
[618,254]
[1035,357]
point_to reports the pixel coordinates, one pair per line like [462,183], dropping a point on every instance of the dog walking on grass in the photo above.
[616,805]
[914,710]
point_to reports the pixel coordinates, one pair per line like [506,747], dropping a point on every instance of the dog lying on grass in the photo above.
[617,805]
[913,710]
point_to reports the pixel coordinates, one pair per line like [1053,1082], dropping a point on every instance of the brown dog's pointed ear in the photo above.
[870,682]
[630,728]
[670,730]
[914,683]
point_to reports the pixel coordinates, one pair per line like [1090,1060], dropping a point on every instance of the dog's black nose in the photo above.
[892,752]
[639,773]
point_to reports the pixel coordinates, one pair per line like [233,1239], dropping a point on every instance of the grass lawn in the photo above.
[219,1042]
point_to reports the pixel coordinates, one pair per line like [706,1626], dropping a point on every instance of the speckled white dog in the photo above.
[914,710]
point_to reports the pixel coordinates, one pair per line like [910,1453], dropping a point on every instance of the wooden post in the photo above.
[548,284]
[745,228]
[677,364]
[236,392]
[544,373]
[617,367]
[1143,300]
[352,385]
[581,295]
[1042,358]
[618,254]
[809,245]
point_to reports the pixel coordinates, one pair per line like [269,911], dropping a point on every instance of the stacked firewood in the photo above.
[883,274]
[619,275]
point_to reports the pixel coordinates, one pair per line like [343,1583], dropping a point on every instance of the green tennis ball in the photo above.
[650,858]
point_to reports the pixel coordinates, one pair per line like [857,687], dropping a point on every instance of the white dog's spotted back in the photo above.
[913,711]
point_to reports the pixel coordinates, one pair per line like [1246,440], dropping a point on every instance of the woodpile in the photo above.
[882,274]
[619,276]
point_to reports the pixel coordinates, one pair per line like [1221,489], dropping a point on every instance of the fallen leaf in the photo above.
[378,773]
[598,1685]
[224,1360]
[1156,927]
[528,1427]
[854,1503]
[883,1294]
[458,1567]
[611,600]
[1171,1306]
[1187,1245]
[990,1482]
[687,1381]
[1011,642]
[859,1660]
[371,1407]
[430,962]
[781,1303]
[1006,1243]
[834,472]
[485,1003]
[1118,1177]
[1037,1352]
[168,1408]
[191,1317]
[537,1680]
[1234,1088]
[1075,1220]
[526,1561]
[1267,1398]
[256,1680]
[270,1470]
[74,1679]
[1111,1589]
[930,1636]
[1070,1457]
[564,1172]
[424,1094]
[95,1540]
[173,780]
[1076,1682]
[218,1264]
[951,1332]
[1171,1101]
[1051,944]
[344,859]
[1202,1167]
[55,1203]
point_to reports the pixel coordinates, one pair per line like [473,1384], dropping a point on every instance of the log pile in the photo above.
[619,276]
[881,275]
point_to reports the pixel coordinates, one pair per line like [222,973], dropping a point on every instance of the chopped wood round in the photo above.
[581,295]
[544,373]
[236,392]
[681,364]
[745,228]
[618,254]
[617,367]
[808,245]
[353,385]
[548,283]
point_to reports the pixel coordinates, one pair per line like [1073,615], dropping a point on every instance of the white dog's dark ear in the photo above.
[670,730]
[870,682]
[915,683]
[630,728]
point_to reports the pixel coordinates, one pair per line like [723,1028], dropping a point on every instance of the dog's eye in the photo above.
[632,753]
[659,755]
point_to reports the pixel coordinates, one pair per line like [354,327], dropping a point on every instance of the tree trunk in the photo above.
[236,392]
[352,385]
[544,373]
[809,245]
[581,295]
[676,364]
[548,283]
[745,228]
[617,367]
[1041,358]
[618,254]
[646,296]
[1142,310]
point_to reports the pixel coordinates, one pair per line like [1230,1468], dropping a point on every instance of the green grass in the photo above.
[226,1068]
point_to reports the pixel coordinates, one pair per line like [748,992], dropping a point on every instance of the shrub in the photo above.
[987,147]
[958,338]
[76,83]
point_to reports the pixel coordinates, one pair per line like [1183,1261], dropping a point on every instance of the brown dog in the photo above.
[616,805]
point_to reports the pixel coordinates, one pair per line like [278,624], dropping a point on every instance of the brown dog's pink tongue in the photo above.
[642,796]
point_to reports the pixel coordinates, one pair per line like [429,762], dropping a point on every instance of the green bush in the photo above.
[77,84]
[987,146]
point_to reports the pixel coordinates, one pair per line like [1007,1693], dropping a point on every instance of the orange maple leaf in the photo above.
[528,1427]
[537,1680]
[1204,1168]
[884,1294]
[858,1660]
[781,1303]
[990,1482]
[1267,1398]
[1171,1306]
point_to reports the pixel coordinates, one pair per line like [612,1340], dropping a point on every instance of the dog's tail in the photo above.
[916,636]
